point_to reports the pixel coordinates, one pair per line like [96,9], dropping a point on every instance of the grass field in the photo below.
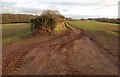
[14,32]
[107,29]
[13,29]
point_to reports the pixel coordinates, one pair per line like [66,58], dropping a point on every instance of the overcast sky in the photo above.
[72,8]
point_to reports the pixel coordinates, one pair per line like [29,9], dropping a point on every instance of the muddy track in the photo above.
[15,60]
[92,38]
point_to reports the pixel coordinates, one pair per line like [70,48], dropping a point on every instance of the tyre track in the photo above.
[106,51]
[13,62]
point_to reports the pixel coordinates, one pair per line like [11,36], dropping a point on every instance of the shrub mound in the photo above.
[46,21]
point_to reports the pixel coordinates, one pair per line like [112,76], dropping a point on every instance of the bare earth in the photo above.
[69,53]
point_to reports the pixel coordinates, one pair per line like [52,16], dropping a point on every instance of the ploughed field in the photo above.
[77,50]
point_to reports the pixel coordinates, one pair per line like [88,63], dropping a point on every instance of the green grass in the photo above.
[13,29]
[17,37]
[15,32]
[106,29]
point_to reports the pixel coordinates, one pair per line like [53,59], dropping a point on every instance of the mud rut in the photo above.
[14,62]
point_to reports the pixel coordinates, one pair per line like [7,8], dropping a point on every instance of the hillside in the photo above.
[16,18]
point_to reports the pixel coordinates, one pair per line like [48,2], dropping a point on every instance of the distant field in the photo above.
[13,32]
[107,29]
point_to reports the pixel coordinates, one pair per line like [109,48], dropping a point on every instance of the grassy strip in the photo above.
[17,37]
[9,30]
[105,29]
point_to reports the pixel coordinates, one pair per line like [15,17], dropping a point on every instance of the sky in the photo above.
[68,8]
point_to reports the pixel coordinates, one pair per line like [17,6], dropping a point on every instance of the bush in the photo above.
[46,21]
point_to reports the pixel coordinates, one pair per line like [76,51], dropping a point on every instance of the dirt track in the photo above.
[71,52]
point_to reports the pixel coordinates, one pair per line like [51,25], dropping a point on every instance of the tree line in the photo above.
[24,18]
[108,20]
[16,18]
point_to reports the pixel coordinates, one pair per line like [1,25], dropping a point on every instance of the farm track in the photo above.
[61,54]
[92,38]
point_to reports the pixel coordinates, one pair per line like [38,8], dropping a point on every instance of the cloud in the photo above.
[71,3]
[21,10]
[52,7]
[75,8]
[10,10]
[65,10]
[83,16]
[31,10]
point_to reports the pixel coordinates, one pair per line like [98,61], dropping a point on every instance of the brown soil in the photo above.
[69,53]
